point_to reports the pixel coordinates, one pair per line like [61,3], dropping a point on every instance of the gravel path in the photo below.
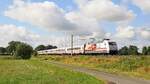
[111,78]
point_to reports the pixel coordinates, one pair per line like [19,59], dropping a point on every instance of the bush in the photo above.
[148,50]
[145,50]
[133,50]
[124,51]
[23,51]
[2,50]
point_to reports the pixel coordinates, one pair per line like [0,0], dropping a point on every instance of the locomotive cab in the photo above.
[113,49]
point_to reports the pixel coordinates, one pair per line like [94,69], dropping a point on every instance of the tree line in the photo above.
[133,50]
[22,50]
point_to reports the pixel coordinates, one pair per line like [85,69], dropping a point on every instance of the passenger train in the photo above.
[104,47]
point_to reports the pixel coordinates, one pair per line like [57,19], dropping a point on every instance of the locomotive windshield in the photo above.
[113,48]
[112,43]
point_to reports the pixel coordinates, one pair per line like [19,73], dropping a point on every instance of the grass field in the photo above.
[35,71]
[134,66]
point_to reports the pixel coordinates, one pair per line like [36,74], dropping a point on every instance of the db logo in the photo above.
[92,47]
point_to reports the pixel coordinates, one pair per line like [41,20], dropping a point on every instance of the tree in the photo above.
[43,47]
[133,50]
[51,47]
[24,51]
[124,51]
[40,47]
[148,50]
[145,50]
[12,47]
[2,50]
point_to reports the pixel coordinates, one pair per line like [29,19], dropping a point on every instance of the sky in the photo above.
[53,21]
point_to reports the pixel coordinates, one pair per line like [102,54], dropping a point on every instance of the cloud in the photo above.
[144,5]
[132,33]
[85,21]
[145,33]
[11,32]
[48,15]
[104,10]
[42,14]
[85,26]
[51,17]
[92,12]
[125,32]
[129,35]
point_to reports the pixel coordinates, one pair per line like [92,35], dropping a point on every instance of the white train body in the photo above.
[104,47]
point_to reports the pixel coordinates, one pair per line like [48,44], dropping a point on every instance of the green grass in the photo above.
[35,71]
[134,66]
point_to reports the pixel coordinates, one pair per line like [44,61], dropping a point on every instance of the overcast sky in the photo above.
[52,21]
